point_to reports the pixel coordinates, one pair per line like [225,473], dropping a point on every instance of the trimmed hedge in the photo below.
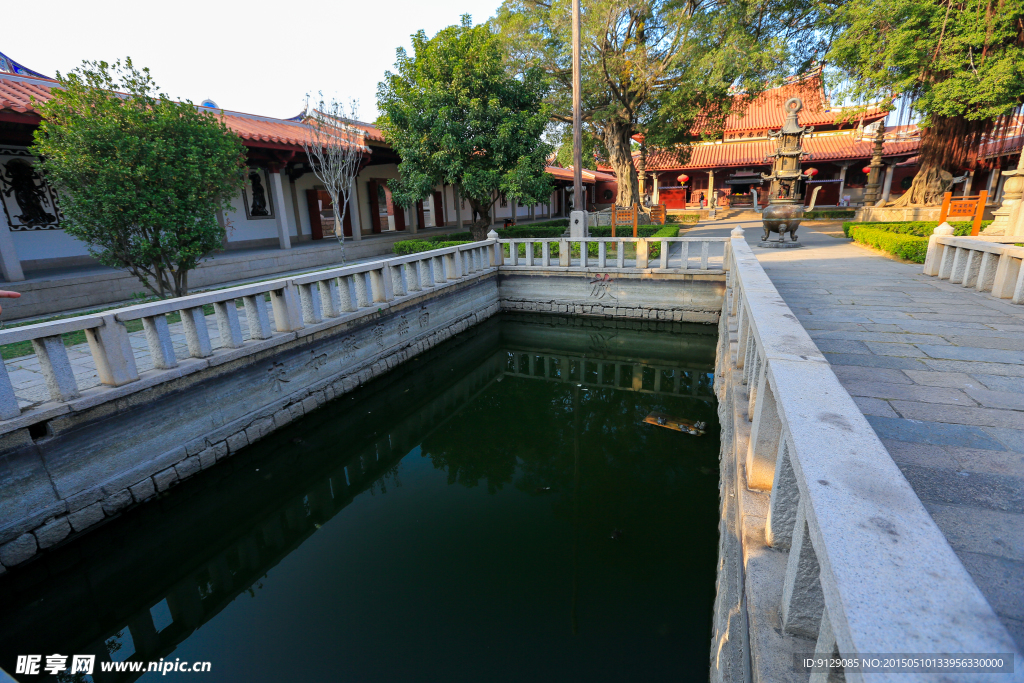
[830,213]
[907,246]
[406,247]
[918,228]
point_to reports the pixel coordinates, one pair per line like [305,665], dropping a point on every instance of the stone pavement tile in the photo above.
[955,487]
[1011,342]
[931,378]
[973,353]
[841,346]
[999,580]
[998,399]
[887,337]
[975,530]
[961,415]
[925,455]
[939,327]
[907,350]
[812,323]
[1013,439]
[871,360]
[907,392]
[997,383]
[935,433]
[855,373]
[985,318]
[880,327]
[973,368]
[874,406]
[984,461]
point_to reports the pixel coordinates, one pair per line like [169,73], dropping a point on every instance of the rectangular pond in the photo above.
[497,509]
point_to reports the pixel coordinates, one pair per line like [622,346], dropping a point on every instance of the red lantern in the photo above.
[866,169]
[682,178]
[811,172]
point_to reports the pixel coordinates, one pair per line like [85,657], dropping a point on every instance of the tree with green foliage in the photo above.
[141,177]
[654,67]
[455,115]
[959,63]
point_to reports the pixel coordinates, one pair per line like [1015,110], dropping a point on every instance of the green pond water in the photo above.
[494,510]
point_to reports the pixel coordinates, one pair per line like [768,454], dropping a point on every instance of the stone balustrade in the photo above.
[989,264]
[694,254]
[300,306]
[868,571]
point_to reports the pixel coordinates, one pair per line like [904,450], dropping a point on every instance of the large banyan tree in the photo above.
[654,67]
[958,63]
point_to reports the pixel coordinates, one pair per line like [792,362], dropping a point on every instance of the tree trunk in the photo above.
[947,143]
[618,139]
[481,225]
[929,185]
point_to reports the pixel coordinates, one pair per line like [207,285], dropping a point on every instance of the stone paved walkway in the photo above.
[939,372]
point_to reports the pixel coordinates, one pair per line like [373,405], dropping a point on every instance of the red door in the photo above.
[372,187]
[438,210]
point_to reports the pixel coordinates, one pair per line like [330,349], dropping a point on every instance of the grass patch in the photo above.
[406,247]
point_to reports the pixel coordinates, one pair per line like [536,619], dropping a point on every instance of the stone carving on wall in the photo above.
[29,202]
[256,195]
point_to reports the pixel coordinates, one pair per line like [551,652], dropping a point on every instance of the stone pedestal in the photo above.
[578,224]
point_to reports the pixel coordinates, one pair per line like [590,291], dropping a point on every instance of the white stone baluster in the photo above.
[513,253]
[381,285]
[330,297]
[827,646]
[309,299]
[397,280]
[602,255]
[529,252]
[287,309]
[664,254]
[765,433]
[755,370]
[8,401]
[158,336]
[112,352]
[972,267]
[620,254]
[959,269]
[256,316]
[705,248]
[438,268]
[412,274]
[684,257]
[641,253]
[802,600]
[784,500]
[227,324]
[196,334]
[426,272]
[53,361]
[946,261]
[362,291]
[545,254]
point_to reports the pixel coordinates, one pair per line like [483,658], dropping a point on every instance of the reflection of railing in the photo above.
[300,305]
[626,375]
[989,264]
[868,570]
[672,253]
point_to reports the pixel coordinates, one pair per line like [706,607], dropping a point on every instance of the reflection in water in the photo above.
[508,517]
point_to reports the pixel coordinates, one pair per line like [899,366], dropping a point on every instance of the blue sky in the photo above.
[257,57]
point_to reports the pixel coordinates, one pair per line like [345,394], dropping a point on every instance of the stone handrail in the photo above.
[989,264]
[301,305]
[868,569]
[695,247]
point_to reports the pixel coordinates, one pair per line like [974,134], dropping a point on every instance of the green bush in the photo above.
[918,228]
[406,247]
[540,230]
[907,246]
[829,213]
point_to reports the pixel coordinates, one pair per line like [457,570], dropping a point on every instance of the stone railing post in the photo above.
[934,256]
[256,317]
[158,336]
[802,600]
[287,310]
[642,253]
[196,334]
[765,433]
[564,254]
[112,352]
[56,368]
[227,324]
[497,253]
[8,401]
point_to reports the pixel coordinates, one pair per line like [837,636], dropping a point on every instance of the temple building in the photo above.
[282,205]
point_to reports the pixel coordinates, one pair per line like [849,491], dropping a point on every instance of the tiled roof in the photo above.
[765,111]
[560,173]
[1004,147]
[753,153]
[16,93]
